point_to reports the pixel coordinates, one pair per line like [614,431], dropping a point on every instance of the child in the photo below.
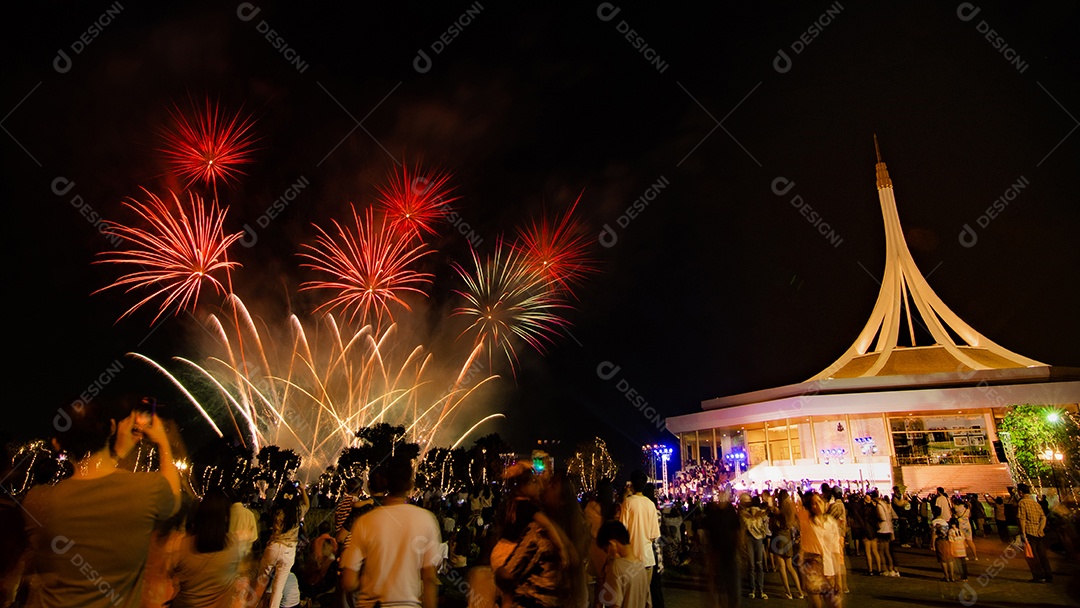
[943,549]
[625,583]
[958,548]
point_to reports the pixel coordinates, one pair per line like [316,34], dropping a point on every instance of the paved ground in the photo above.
[919,584]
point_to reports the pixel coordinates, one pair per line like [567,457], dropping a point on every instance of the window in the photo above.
[940,439]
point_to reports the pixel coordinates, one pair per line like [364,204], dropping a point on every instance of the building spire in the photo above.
[905,295]
[883,180]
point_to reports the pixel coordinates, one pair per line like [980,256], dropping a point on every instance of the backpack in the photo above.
[935,508]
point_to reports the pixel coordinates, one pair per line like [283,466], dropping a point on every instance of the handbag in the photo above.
[1028,552]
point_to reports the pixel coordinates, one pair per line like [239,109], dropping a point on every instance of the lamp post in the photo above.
[1052,456]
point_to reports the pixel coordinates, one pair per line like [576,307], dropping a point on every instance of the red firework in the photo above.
[179,251]
[558,250]
[415,202]
[206,144]
[507,300]
[370,267]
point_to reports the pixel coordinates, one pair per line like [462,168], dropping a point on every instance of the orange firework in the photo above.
[370,267]
[179,251]
[206,145]
[415,202]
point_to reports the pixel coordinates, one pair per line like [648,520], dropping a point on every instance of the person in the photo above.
[323,552]
[395,546]
[206,567]
[755,525]
[641,518]
[625,582]
[280,553]
[72,526]
[871,520]
[835,509]
[941,507]
[724,540]
[901,506]
[963,523]
[243,524]
[1000,521]
[529,559]
[958,549]
[353,487]
[885,517]
[290,595]
[820,542]
[599,509]
[943,550]
[1033,531]
[978,516]
[656,585]
[560,503]
[784,525]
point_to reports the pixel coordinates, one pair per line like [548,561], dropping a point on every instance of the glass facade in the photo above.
[929,438]
[941,439]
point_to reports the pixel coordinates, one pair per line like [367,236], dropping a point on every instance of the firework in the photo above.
[558,250]
[415,202]
[179,251]
[206,144]
[311,390]
[369,268]
[507,300]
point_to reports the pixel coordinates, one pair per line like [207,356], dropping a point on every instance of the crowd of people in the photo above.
[106,536]
[809,536]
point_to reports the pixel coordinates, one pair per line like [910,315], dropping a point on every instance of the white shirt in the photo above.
[243,525]
[625,585]
[885,512]
[642,520]
[945,505]
[290,597]
[821,537]
[392,544]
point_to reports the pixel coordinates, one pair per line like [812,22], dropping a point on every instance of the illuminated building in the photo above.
[920,415]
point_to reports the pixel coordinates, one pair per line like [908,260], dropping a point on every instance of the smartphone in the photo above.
[144,412]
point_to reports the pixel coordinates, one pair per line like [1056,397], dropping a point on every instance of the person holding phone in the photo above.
[101,518]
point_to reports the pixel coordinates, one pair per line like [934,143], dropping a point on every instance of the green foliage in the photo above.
[1026,433]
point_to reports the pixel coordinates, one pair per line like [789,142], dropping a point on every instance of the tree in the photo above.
[1028,431]
[590,463]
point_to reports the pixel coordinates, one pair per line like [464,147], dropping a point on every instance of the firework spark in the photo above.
[179,251]
[558,249]
[370,268]
[313,386]
[507,299]
[206,144]
[415,202]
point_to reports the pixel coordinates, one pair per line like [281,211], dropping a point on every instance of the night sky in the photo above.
[717,286]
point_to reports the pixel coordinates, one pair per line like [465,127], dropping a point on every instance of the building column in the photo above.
[813,441]
[888,436]
[697,446]
[715,447]
[790,450]
[768,448]
[991,435]
[850,437]
[682,450]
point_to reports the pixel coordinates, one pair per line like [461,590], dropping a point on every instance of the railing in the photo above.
[950,459]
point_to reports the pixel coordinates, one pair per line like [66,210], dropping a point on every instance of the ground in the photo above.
[919,584]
